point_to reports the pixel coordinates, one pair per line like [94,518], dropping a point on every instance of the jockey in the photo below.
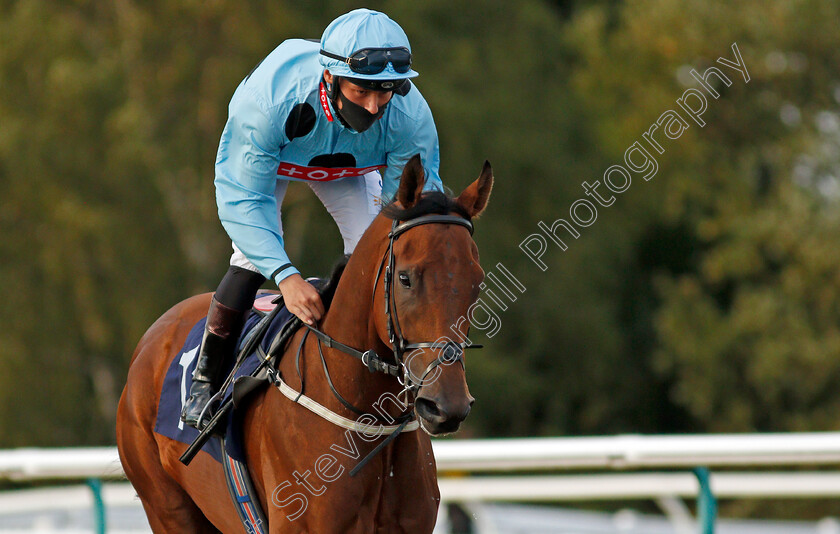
[340,115]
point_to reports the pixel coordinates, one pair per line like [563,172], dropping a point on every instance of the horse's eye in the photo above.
[404,279]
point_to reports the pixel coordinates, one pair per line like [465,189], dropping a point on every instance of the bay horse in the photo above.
[398,297]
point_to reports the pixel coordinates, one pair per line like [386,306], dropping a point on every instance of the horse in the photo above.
[412,277]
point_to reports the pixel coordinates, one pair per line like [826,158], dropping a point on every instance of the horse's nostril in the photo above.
[428,409]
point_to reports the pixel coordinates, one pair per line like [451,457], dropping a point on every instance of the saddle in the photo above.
[267,329]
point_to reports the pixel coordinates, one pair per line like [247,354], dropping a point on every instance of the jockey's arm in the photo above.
[416,134]
[246,177]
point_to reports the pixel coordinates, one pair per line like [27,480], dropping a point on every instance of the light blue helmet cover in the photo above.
[363,28]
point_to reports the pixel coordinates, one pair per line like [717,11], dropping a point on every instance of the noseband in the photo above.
[451,352]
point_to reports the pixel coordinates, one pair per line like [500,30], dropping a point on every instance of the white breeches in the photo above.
[352,202]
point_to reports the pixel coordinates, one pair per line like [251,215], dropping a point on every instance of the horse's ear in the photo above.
[474,197]
[411,182]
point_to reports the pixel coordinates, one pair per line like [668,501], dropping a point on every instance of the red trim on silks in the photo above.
[323,174]
[325,103]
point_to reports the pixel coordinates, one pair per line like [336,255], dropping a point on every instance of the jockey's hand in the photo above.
[302,299]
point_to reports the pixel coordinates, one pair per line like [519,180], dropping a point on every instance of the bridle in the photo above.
[451,351]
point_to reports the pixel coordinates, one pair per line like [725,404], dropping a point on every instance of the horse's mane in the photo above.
[327,291]
[430,202]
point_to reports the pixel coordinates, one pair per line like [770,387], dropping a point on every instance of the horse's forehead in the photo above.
[435,242]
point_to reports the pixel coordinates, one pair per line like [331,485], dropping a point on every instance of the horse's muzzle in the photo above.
[442,417]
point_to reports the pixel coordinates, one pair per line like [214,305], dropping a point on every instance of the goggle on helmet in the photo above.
[368,48]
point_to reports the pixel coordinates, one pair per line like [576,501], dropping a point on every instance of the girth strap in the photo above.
[241,489]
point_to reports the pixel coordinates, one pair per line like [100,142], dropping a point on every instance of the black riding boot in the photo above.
[220,335]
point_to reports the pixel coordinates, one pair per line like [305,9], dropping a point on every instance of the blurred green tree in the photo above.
[701,300]
[743,323]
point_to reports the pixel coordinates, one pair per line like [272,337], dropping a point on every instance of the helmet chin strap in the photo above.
[332,94]
[332,88]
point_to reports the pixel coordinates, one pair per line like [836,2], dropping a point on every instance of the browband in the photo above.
[427,219]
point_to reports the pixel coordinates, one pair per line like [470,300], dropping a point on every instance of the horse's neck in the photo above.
[349,318]
[350,321]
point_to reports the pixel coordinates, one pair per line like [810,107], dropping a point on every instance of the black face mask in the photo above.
[355,116]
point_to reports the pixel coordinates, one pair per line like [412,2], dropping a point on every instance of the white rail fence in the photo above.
[555,469]
[508,458]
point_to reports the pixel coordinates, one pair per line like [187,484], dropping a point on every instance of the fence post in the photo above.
[706,502]
[95,486]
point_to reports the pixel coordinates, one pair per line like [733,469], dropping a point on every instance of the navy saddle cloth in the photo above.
[176,384]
